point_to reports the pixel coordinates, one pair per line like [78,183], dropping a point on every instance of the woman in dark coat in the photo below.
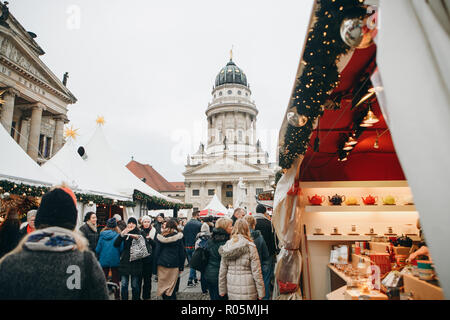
[148,232]
[169,258]
[89,230]
[220,235]
[9,232]
[129,269]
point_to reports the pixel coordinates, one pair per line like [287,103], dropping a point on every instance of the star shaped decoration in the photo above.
[71,133]
[1,96]
[100,120]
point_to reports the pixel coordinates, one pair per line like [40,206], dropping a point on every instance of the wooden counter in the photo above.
[420,289]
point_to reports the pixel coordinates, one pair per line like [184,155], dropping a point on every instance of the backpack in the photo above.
[199,258]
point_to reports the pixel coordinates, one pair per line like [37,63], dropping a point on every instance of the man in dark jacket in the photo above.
[190,231]
[264,225]
[53,263]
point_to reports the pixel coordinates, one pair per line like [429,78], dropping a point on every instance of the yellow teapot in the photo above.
[389,200]
[351,201]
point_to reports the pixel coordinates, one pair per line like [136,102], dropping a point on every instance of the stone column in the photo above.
[24,133]
[7,111]
[234,193]
[35,131]
[203,196]
[58,137]
[254,130]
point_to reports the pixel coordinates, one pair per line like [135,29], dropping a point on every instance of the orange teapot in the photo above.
[369,200]
[316,200]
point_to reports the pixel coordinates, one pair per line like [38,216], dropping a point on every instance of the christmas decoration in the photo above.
[320,74]
[100,120]
[71,133]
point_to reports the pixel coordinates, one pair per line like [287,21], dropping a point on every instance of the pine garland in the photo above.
[320,74]
[154,203]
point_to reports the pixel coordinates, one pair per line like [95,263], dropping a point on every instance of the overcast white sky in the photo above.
[148,67]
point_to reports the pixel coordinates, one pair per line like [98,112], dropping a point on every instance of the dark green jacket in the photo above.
[219,238]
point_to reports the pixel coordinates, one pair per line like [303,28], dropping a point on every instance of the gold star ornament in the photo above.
[71,133]
[100,120]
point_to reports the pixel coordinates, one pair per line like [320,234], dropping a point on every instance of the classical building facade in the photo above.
[232,164]
[33,100]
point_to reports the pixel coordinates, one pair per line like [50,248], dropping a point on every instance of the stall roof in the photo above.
[216,205]
[17,166]
[68,166]
[103,160]
[364,162]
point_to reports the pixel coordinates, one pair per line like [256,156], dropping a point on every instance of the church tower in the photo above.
[232,152]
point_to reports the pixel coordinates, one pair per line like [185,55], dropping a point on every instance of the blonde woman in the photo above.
[240,269]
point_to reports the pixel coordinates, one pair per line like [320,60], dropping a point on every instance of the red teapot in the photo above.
[316,200]
[369,200]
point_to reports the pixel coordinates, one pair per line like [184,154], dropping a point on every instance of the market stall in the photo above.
[101,158]
[67,166]
[22,181]
[344,210]
[215,208]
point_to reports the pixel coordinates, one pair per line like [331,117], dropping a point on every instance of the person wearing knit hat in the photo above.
[129,268]
[117,217]
[62,264]
[108,254]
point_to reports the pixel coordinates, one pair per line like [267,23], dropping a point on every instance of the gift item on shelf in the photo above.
[388,200]
[352,201]
[408,200]
[369,200]
[353,232]
[316,200]
[371,232]
[335,232]
[382,260]
[318,232]
[336,200]
[390,232]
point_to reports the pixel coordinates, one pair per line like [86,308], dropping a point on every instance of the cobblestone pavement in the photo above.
[184,292]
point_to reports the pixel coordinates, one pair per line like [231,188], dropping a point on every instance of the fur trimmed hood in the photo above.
[173,237]
[234,248]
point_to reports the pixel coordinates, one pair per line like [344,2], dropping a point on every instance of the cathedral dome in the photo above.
[231,73]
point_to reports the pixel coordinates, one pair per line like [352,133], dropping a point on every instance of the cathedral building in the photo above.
[232,164]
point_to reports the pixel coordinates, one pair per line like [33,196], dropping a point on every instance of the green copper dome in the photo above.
[231,73]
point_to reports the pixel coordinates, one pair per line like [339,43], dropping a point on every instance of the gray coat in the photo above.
[52,264]
[240,270]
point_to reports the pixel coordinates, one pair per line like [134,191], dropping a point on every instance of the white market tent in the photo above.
[17,166]
[67,165]
[214,207]
[103,160]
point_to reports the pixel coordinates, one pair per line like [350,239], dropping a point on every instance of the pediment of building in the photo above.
[18,53]
[224,165]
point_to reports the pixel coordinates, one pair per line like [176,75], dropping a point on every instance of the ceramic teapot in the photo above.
[336,199]
[316,200]
[351,201]
[369,200]
[408,200]
[389,200]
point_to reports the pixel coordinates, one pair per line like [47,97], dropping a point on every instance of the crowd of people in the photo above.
[49,258]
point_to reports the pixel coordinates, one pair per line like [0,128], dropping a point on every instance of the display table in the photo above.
[341,293]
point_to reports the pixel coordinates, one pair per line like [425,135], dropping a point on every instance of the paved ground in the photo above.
[184,293]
